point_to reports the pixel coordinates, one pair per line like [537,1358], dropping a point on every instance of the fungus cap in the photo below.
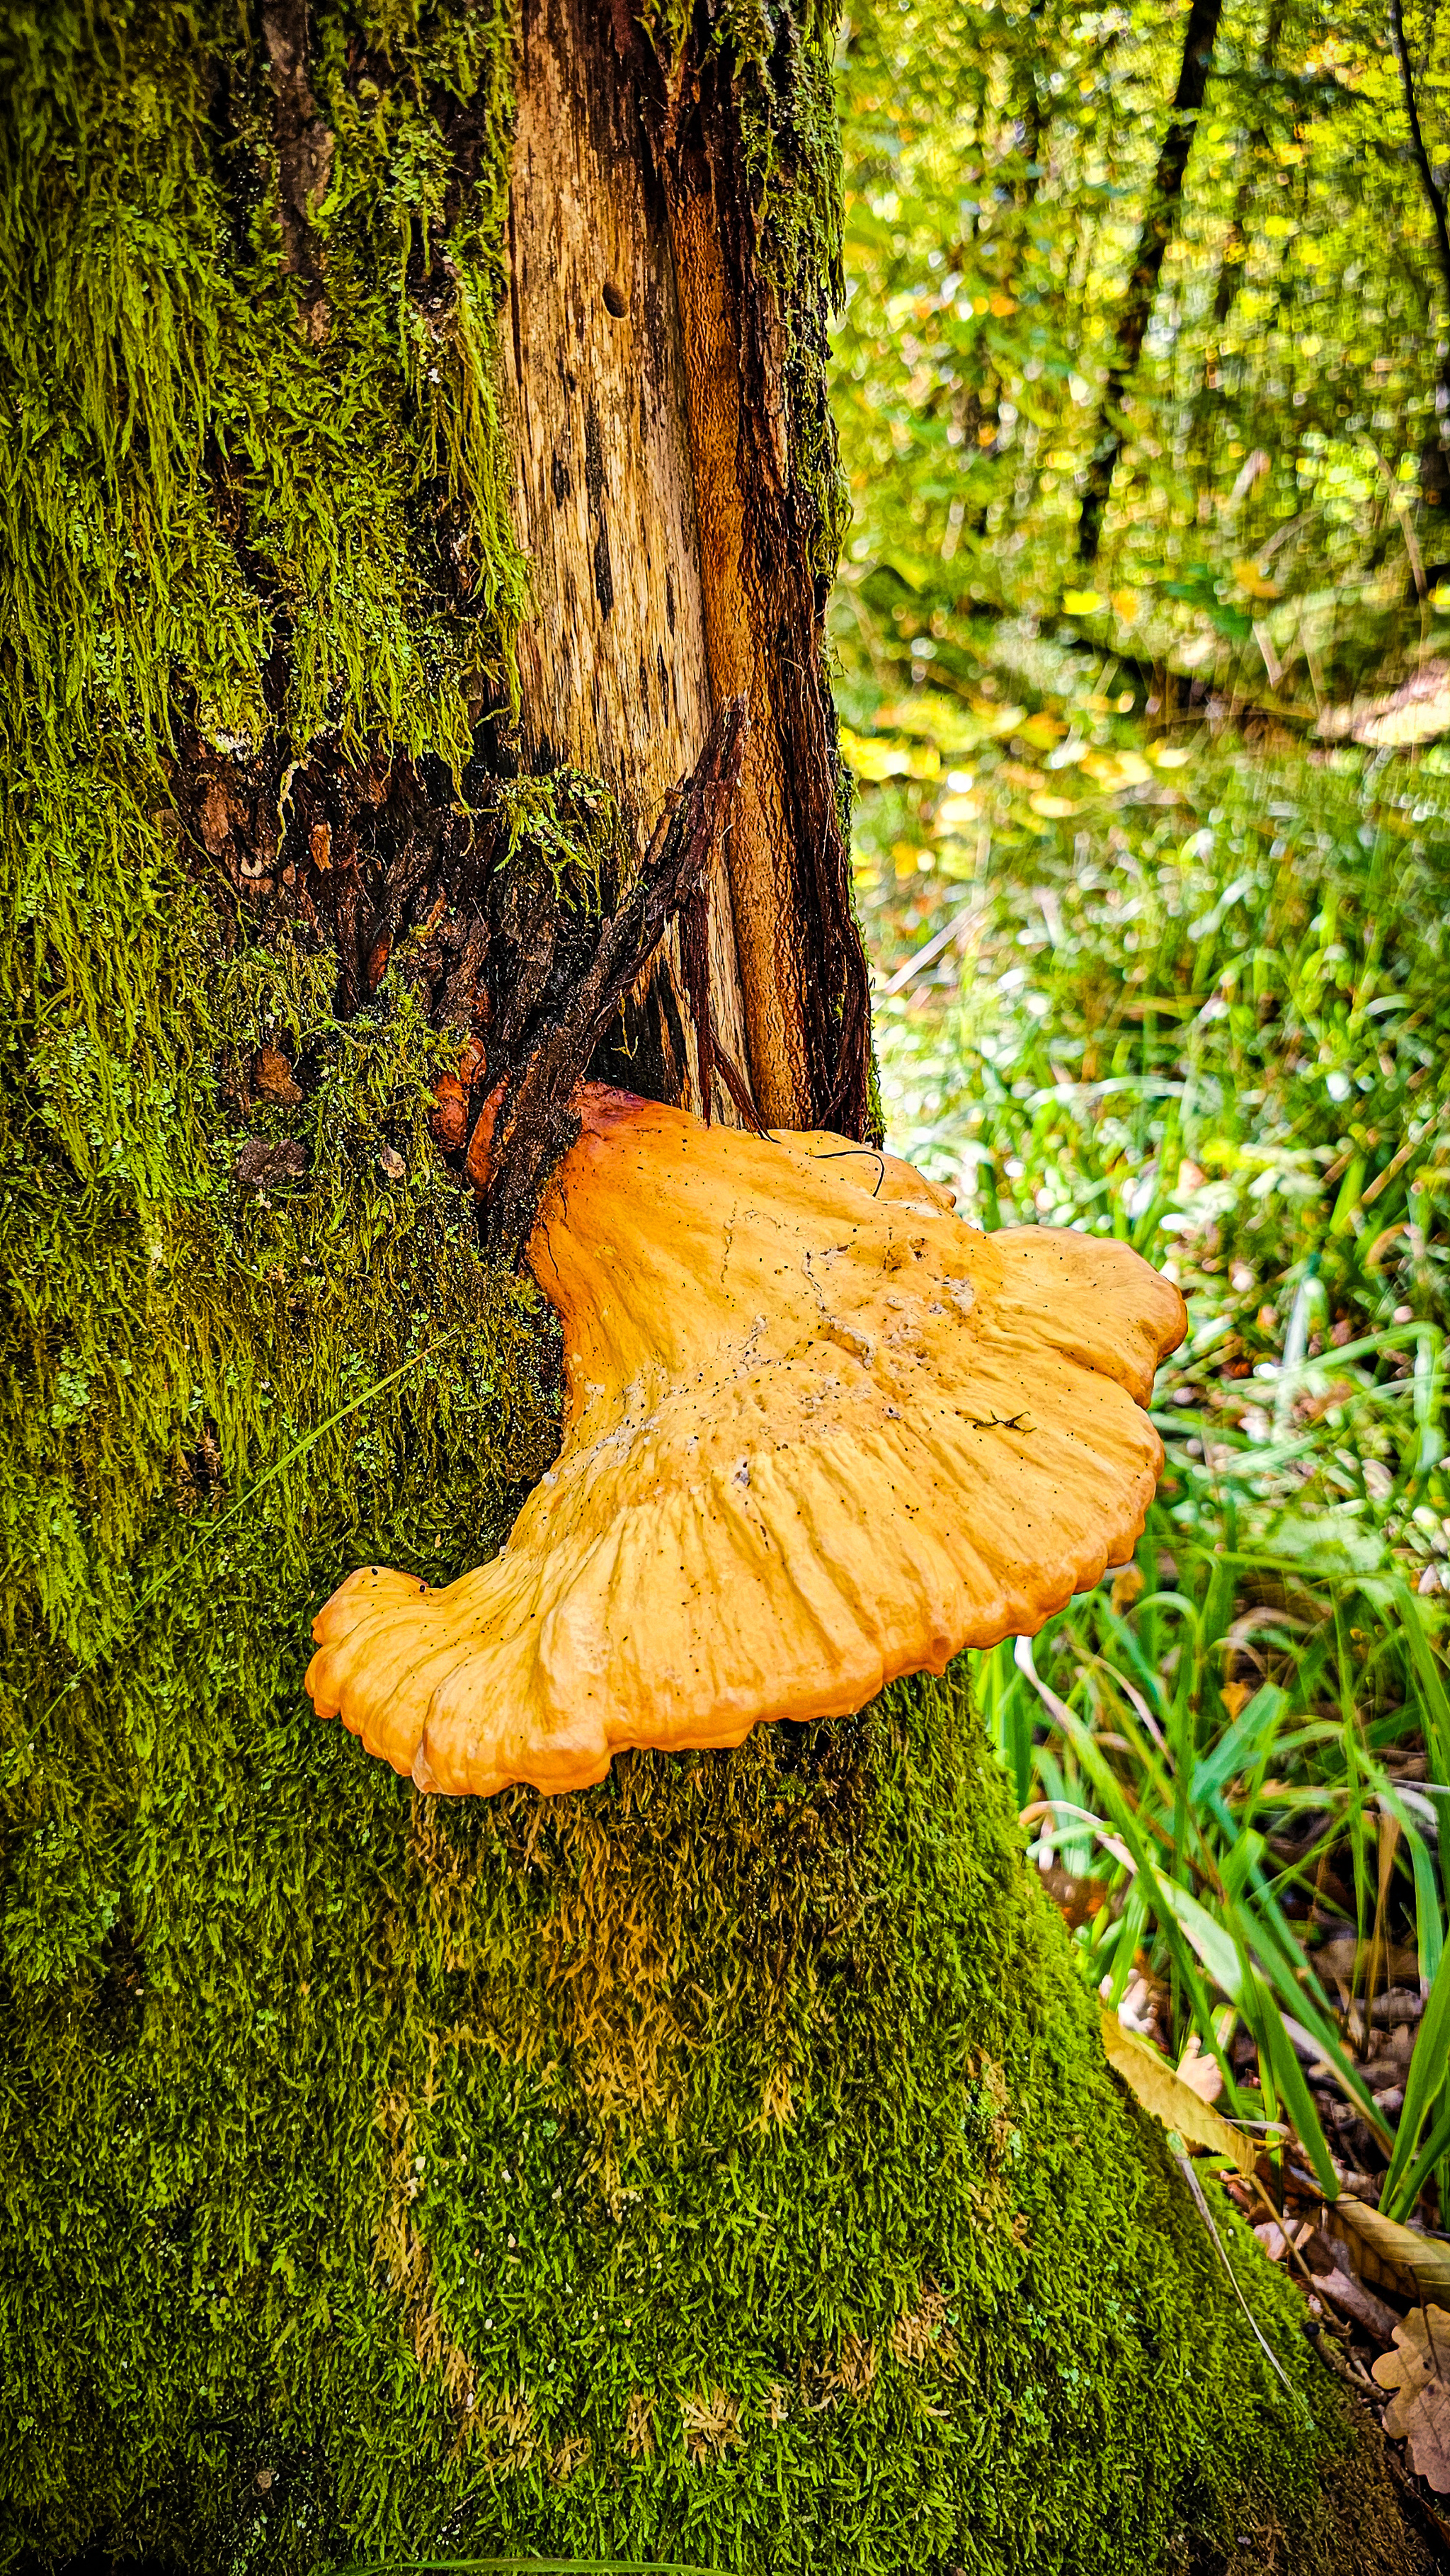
[818,1433]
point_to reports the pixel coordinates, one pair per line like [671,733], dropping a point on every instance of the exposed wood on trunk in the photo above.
[613,663]
[762,875]
[530,1123]
[802,962]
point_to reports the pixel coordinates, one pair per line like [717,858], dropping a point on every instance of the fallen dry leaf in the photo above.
[1349,2294]
[1418,2370]
[1426,2259]
[259,1165]
[1162,2091]
[273,1076]
[1417,711]
[1200,2071]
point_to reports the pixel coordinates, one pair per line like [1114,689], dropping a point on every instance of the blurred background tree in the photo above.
[1163,292]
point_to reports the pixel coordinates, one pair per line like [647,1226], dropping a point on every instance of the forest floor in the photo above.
[1136,974]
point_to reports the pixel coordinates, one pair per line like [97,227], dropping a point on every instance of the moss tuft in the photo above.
[255,423]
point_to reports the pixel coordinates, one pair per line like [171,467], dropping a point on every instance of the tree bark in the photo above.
[1160,222]
[720,2166]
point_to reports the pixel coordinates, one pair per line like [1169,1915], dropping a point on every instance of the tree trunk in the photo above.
[719,2165]
[1434,457]
[1255,147]
[1160,222]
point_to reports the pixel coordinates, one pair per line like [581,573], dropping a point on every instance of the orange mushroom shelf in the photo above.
[819,1433]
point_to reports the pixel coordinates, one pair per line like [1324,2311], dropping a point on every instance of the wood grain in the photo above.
[740,637]
[613,663]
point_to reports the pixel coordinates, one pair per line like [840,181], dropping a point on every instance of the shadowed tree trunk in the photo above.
[1434,458]
[1232,258]
[417,451]
[1160,222]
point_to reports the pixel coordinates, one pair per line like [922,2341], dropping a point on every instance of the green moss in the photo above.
[213,465]
[568,833]
[719,2164]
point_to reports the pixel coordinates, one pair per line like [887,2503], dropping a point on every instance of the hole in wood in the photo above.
[615,299]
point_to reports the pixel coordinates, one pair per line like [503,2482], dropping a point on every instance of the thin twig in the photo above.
[536,1122]
[1206,2214]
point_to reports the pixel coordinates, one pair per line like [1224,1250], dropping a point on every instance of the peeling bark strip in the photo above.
[304,156]
[802,963]
[612,665]
[534,1124]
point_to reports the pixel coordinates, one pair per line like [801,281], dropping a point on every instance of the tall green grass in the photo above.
[1205,1007]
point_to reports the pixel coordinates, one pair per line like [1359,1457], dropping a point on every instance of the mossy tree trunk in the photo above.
[720,2165]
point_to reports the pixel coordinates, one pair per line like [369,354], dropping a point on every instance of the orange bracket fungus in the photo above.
[819,1433]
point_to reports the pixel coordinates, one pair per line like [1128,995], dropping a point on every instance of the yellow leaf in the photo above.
[1162,2091]
[1053,809]
[1249,578]
[1425,2258]
[1043,730]
[1112,770]
[1169,755]
[873,761]
[997,720]
[907,860]
[1125,604]
[929,715]
[1129,1585]
[1002,305]
[1083,603]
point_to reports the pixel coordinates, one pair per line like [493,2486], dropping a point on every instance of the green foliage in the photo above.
[1203,1006]
[998,162]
